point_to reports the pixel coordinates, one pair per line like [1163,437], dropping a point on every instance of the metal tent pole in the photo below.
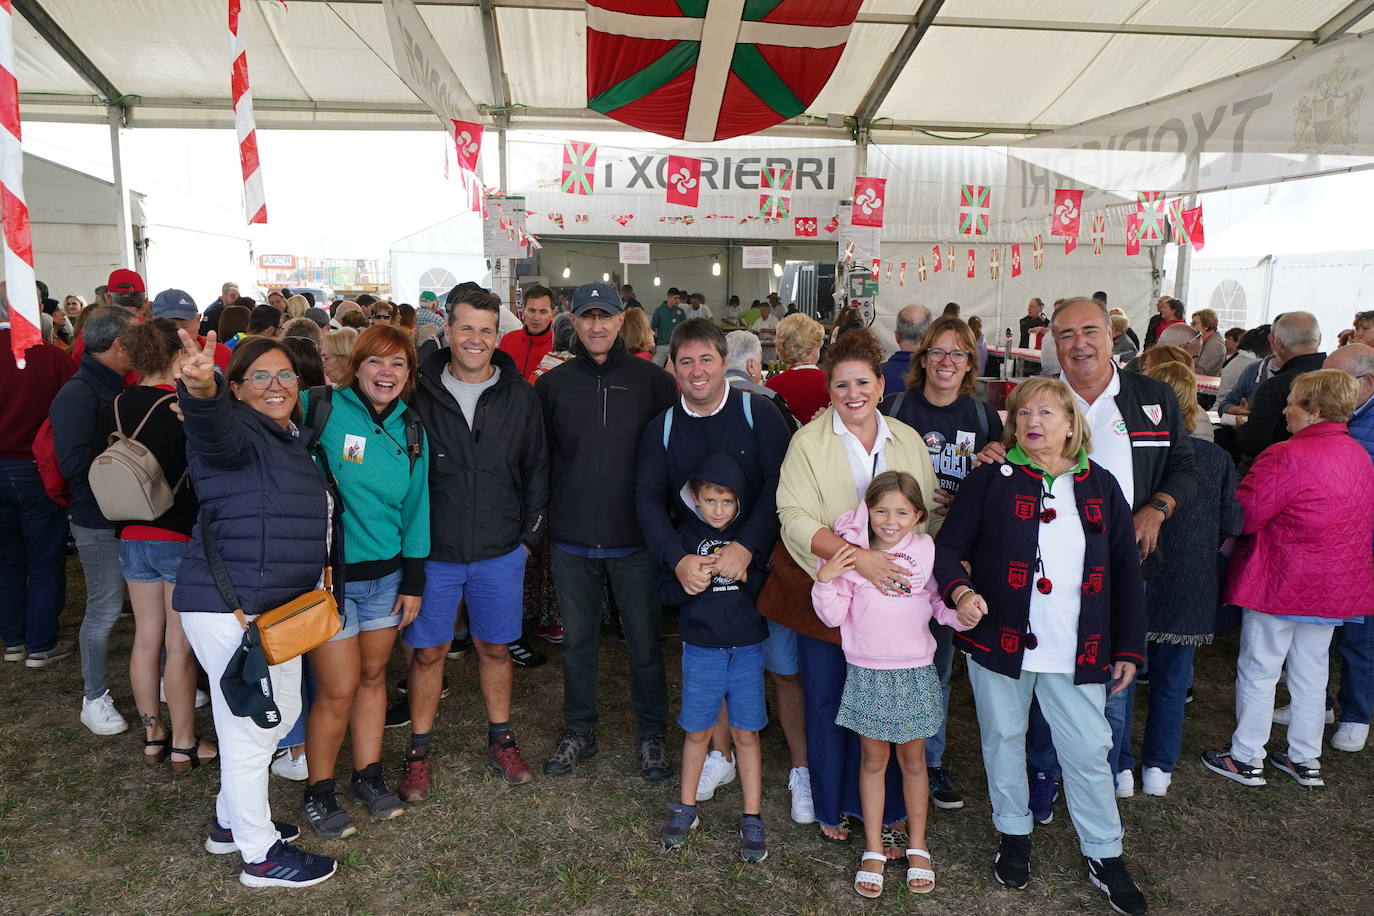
[115,115]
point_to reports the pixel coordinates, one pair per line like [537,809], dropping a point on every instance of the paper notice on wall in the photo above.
[634,252]
[757,256]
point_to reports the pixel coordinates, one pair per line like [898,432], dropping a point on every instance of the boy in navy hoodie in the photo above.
[722,654]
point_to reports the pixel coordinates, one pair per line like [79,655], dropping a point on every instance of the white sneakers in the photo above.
[718,771]
[202,698]
[1350,737]
[288,767]
[799,784]
[1284,715]
[1154,781]
[101,717]
[1125,784]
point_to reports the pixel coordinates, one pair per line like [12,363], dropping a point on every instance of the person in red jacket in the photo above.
[530,343]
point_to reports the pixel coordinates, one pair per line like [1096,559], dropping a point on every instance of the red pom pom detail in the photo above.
[1044,586]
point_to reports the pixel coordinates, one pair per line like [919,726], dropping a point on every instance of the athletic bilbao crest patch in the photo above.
[1154,412]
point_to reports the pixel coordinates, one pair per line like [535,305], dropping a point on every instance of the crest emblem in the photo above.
[1025,507]
[1092,511]
[1018,574]
[1153,412]
[1094,584]
[1089,654]
[1010,642]
[1325,121]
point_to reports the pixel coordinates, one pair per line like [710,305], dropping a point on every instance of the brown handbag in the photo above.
[786,598]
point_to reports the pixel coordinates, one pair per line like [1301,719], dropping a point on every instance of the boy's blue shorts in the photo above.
[734,675]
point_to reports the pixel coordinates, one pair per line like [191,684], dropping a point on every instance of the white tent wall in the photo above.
[438,257]
[196,262]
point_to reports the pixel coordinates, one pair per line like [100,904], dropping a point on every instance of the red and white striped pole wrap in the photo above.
[20,290]
[254,201]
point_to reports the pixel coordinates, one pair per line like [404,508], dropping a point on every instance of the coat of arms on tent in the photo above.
[579,168]
[776,188]
[705,71]
[1325,121]
[975,206]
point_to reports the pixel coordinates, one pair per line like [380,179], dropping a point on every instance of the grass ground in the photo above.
[86,828]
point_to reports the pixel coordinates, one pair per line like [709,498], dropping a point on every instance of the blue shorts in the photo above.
[494,591]
[780,650]
[712,675]
[150,561]
[369,605]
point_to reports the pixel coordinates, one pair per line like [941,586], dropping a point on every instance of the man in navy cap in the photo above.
[181,308]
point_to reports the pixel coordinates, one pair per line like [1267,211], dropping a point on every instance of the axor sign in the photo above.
[277,261]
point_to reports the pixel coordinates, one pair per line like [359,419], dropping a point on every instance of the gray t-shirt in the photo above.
[467,393]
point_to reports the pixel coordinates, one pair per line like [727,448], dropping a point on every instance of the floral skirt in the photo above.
[891,704]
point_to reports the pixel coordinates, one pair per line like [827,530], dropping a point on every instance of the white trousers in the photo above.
[1265,642]
[245,750]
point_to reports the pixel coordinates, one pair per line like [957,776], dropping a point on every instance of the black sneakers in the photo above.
[1304,774]
[524,656]
[753,839]
[398,713]
[368,787]
[1223,764]
[1011,865]
[573,748]
[653,760]
[1111,878]
[943,791]
[324,814]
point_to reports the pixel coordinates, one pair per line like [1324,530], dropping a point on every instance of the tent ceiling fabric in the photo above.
[978,69]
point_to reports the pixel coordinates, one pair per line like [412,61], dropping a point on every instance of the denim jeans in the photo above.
[99,549]
[296,737]
[33,581]
[1356,644]
[1040,755]
[634,581]
[944,666]
[1120,714]
[1171,674]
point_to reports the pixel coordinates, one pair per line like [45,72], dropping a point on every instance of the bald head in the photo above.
[1296,334]
[1357,360]
[912,322]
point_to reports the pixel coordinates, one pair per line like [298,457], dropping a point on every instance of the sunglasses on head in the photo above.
[381,316]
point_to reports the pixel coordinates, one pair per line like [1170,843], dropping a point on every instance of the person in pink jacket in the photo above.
[1303,567]
[891,689]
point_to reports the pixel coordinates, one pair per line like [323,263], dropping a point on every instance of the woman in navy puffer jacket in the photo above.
[267,507]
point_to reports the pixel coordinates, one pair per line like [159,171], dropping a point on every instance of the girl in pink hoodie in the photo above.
[891,689]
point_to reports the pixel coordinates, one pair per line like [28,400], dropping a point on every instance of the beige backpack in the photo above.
[127,478]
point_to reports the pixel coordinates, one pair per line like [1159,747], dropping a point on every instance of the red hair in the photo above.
[382,340]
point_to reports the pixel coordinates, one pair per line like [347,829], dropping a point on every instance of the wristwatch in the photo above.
[1157,503]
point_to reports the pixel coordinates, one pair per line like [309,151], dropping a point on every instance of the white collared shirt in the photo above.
[725,396]
[864,463]
[1111,441]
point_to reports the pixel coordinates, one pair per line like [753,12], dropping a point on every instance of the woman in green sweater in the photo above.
[371,447]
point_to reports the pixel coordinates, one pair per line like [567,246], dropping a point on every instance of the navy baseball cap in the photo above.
[246,684]
[597,296]
[174,303]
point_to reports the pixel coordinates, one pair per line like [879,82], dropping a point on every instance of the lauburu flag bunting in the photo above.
[1016,260]
[804,227]
[1192,224]
[684,181]
[1133,224]
[1068,213]
[868,202]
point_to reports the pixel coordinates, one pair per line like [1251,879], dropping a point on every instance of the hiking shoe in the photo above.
[1044,789]
[753,841]
[718,771]
[944,793]
[573,748]
[1223,764]
[524,656]
[404,687]
[503,756]
[682,820]
[1283,715]
[1350,737]
[1304,774]
[16,653]
[653,760]
[368,787]
[287,866]
[288,767]
[1154,781]
[58,652]
[220,841]
[803,807]
[1011,864]
[325,816]
[414,784]
[551,633]
[460,646]
[398,713]
[101,717]
[1111,878]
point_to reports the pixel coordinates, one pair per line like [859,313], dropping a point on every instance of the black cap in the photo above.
[246,684]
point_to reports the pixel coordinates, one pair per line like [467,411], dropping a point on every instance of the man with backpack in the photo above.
[33,528]
[74,414]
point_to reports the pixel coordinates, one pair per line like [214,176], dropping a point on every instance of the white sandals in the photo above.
[862,877]
[914,873]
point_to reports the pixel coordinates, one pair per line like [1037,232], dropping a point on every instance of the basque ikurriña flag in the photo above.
[579,168]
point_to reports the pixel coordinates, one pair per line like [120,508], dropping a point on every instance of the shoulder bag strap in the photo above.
[217,570]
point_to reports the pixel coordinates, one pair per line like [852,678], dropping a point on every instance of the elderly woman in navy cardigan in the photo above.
[1043,548]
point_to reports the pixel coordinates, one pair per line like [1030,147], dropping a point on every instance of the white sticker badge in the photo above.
[353,448]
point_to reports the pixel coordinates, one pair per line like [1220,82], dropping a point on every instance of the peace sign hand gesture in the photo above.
[198,368]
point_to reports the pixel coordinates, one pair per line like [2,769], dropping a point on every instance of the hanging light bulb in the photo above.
[567,270]
[656,280]
[605,277]
[777,269]
[715,267]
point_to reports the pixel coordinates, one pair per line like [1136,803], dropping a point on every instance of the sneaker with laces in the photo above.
[1308,773]
[1044,789]
[718,771]
[944,793]
[503,756]
[220,840]
[753,840]
[324,814]
[1223,764]
[550,633]
[398,714]
[653,760]
[573,748]
[1125,784]
[368,787]
[1154,781]
[803,807]
[58,652]
[1111,878]
[460,646]
[101,717]
[288,767]
[1283,715]
[1350,737]
[1011,864]
[16,653]
[682,820]
[414,784]
[524,656]
[287,866]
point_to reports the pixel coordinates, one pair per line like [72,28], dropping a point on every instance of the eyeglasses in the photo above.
[955,356]
[261,381]
[381,316]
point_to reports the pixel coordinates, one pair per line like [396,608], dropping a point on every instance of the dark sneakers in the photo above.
[1011,865]
[1223,764]
[324,814]
[398,713]
[414,784]
[368,787]
[682,820]
[1304,774]
[220,841]
[1044,789]
[573,748]
[753,841]
[1111,878]
[653,760]
[524,656]
[287,866]
[944,794]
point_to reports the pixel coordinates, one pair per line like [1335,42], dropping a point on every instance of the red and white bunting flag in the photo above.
[1099,233]
[582,218]
[1068,213]
[901,275]
[848,252]
[21,293]
[921,269]
[1016,260]
[833,224]
[1192,223]
[1038,252]
[887,277]
[868,202]
[556,219]
[949,257]
[467,140]
[579,168]
[684,181]
[804,226]
[935,259]
[1070,243]
[254,199]
[877,265]
[1133,224]
[995,263]
[623,219]
[972,263]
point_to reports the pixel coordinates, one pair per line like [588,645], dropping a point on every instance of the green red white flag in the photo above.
[1150,206]
[995,263]
[1099,233]
[1038,252]
[579,168]
[777,192]
[975,208]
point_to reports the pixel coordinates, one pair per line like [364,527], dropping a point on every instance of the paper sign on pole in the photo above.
[757,256]
[634,252]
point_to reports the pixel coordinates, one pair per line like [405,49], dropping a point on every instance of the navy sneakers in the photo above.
[287,866]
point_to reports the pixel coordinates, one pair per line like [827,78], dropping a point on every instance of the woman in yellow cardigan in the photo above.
[828,467]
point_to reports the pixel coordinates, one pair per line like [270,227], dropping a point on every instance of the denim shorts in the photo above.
[780,650]
[368,605]
[712,675]
[150,561]
[493,589]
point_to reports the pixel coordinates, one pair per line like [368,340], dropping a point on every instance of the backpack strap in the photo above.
[415,437]
[668,426]
[317,414]
[119,427]
[748,408]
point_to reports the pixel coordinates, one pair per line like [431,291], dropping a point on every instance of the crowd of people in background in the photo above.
[827,515]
